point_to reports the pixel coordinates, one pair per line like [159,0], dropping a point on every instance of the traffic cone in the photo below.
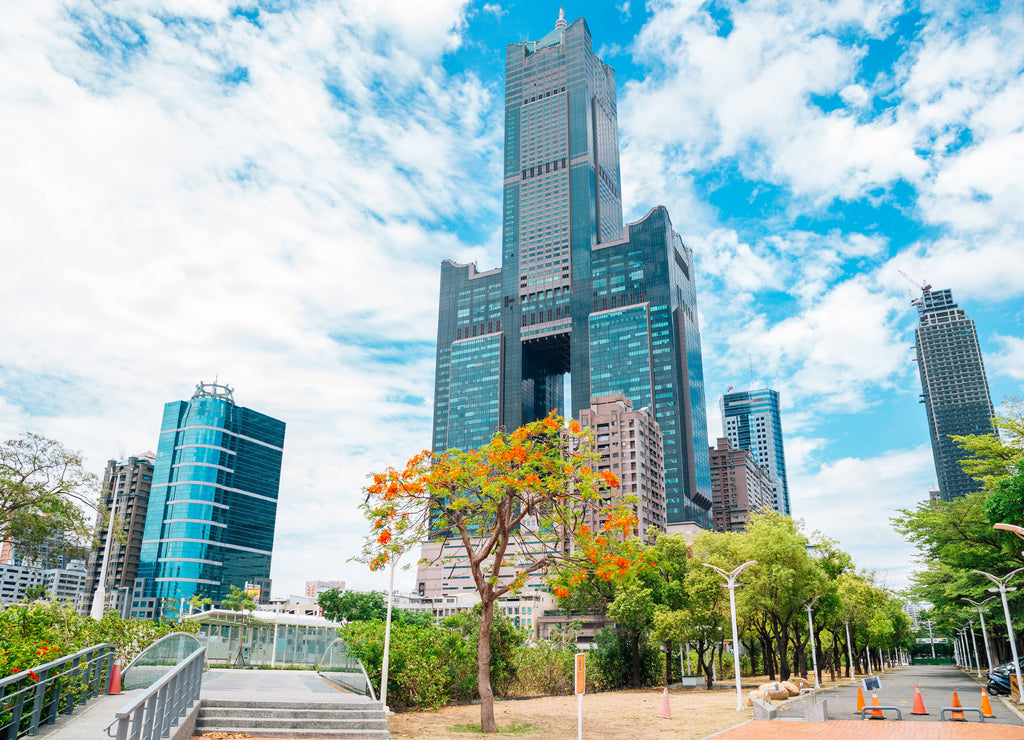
[986,706]
[918,702]
[860,700]
[665,712]
[876,713]
[115,678]
[957,716]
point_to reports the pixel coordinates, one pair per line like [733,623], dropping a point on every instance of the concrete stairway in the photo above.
[363,720]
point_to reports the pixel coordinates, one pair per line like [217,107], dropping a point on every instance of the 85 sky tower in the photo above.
[577,293]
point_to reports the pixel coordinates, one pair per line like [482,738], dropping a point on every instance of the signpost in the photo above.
[581,687]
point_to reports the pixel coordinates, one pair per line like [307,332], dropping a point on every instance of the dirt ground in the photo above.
[612,715]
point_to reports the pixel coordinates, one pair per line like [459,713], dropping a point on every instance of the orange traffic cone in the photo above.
[957,716]
[665,712]
[860,700]
[876,713]
[918,702]
[986,706]
[115,678]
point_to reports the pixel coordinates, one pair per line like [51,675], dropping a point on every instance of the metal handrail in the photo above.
[320,663]
[74,679]
[154,644]
[151,715]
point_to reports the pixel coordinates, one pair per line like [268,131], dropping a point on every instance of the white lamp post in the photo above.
[931,638]
[984,636]
[731,585]
[974,642]
[100,596]
[387,635]
[1001,589]
[849,650]
[814,651]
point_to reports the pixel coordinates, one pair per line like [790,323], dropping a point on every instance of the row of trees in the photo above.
[526,502]
[957,538]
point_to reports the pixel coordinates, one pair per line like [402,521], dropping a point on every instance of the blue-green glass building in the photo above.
[579,294]
[213,502]
[752,420]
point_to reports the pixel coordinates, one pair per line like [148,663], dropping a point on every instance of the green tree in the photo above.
[38,591]
[505,641]
[352,606]
[513,505]
[632,611]
[238,599]
[43,486]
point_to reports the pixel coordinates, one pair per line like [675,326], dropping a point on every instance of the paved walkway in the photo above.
[88,721]
[282,686]
[937,684]
[868,730]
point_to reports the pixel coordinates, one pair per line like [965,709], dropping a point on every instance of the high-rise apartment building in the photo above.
[630,444]
[954,388]
[577,293]
[213,502]
[752,420]
[739,486]
[126,485]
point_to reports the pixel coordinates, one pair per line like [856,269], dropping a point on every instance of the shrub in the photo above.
[610,663]
[544,668]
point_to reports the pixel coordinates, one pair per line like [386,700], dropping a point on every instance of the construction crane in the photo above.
[924,287]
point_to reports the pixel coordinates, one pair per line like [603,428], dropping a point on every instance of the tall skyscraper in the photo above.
[954,388]
[752,420]
[213,502]
[126,486]
[577,294]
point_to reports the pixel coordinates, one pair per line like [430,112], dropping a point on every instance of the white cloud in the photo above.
[1010,360]
[852,500]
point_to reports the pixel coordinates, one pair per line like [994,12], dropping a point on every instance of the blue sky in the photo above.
[264,192]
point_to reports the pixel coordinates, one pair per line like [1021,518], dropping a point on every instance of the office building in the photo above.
[752,420]
[213,501]
[578,294]
[953,384]
[739,486]
[629,442]
[126,485]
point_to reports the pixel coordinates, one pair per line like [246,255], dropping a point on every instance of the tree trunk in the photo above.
[634,646]
[668,662]
[783,644]
[483,668]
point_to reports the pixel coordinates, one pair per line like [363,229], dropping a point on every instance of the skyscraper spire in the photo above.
[560,23]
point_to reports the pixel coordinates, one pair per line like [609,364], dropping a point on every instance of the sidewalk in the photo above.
[88,721]
[844,730]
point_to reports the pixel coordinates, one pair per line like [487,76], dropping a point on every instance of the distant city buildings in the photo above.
[126,486]
[752,420]
[953,384]
[213,501]
[65,584]
[630,444]
[315,588]
[739,486]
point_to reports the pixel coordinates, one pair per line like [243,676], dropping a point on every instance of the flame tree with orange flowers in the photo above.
[519,507]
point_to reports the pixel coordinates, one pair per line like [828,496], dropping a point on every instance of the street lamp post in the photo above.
[387,634]
[984,636]
[814,650]
[931,638]
[974,642]
[849,649]
[99,598]
[1001,589]
[731,585]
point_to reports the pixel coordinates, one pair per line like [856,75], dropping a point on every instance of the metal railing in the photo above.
[341,668]
[152,715]
[159,658]
[53,688]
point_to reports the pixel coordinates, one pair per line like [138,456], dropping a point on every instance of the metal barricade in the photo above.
[151,715]
[53,688]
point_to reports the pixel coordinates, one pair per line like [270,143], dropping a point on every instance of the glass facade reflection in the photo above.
[576,288]
[213,502]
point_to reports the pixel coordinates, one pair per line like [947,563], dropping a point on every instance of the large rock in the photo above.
[775,690]
[791,687]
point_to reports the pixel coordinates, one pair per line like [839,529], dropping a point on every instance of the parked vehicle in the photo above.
[999,679]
